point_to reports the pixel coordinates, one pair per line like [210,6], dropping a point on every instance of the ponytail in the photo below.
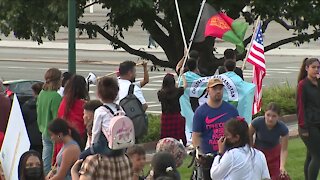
[306,63]
[76,136]
[61,126]
[302,72]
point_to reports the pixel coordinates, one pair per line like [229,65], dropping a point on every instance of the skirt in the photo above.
[173,125]
[273,160]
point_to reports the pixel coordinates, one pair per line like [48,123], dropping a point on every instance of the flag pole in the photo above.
[253,37]
[181,26]
[192,36]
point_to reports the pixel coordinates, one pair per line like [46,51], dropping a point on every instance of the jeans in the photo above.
[47,153]
[100,147]
[314,150]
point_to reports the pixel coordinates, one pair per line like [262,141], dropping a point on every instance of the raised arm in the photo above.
[145,79]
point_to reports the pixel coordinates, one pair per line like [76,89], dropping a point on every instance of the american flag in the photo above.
[257,59]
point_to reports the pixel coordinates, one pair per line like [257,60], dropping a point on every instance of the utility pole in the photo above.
[72,36]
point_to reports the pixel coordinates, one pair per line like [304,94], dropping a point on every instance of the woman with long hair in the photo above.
[48,102]
[239,161]
[272,137]
[71,108]
[308,111]
[31,166]
[172,122]
[61,132]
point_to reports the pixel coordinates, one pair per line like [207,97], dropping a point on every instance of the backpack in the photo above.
[120,133]
[133,108]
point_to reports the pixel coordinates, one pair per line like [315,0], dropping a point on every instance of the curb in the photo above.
[289,118]
[63,61]
[107,47]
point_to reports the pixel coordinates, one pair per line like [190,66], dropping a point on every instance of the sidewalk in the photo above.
[107,47]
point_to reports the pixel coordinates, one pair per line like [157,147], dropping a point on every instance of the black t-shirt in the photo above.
[237,70]
[169,99]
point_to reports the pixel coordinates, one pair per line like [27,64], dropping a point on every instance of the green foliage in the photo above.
[283,95]
[153,129]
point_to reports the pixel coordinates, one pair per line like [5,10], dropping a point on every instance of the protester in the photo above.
[163,165]
[88,115]
[239,161]
[271,138]
[308,111]
[208,122]
[137,157]
[127,71]
[30,166]
[173,147]
[172,123]
[61,132]
[230,55]
[107,92]
[65,78]
[29,112]
[101,167]
[192,66]
[48,103]
[71,108]
[5,107]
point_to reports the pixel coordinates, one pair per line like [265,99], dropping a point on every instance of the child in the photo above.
[137,157]
[88,115]
[107,91]
[163,165]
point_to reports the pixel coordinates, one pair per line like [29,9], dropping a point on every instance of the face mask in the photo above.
[33,173]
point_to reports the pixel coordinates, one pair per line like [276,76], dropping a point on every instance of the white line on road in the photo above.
[154,112]
[154,105]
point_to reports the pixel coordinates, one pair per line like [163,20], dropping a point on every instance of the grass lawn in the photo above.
[294,164]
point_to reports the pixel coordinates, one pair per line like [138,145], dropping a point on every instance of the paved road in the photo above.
[280,69]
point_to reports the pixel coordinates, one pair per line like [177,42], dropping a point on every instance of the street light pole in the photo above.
[72,36]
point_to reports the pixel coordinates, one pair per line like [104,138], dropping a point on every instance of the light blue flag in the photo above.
[186,110]
[236,91]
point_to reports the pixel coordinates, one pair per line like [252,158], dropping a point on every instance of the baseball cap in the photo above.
[213,82]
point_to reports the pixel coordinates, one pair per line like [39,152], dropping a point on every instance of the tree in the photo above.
[37,19]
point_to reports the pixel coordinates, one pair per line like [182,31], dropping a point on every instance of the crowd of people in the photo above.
[67,130]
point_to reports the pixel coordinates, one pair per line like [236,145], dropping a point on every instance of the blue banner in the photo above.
[236,91]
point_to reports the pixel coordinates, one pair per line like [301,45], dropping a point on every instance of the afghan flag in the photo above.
[221,26]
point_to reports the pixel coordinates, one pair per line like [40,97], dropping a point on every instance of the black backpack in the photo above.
[133,108]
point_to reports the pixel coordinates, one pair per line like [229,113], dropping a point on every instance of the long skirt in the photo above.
[173,125]
[273,160]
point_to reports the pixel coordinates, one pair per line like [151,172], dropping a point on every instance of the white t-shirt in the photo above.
[124,88]
[101,120]
[60,91]
[241,164]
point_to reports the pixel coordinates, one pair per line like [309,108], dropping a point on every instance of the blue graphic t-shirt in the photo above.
[210,123]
